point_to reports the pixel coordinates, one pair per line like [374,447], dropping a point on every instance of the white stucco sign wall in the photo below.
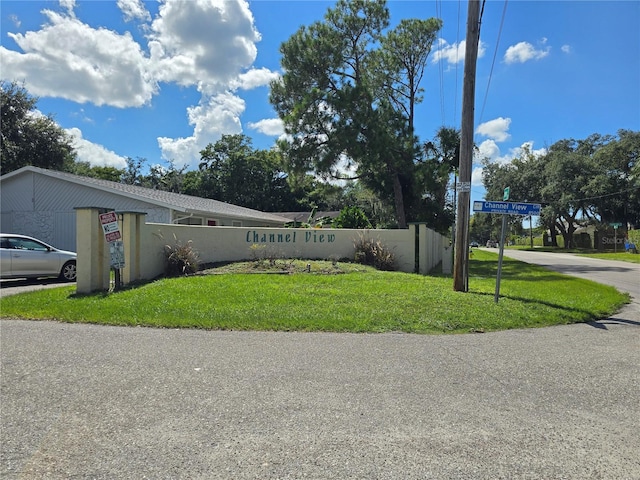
[416,249]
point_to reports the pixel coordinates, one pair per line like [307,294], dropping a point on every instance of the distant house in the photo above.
[39,202]
[298,218]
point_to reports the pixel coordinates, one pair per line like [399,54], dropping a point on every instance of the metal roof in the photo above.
[175,201]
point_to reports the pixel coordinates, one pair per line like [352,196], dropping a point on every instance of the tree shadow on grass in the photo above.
[516,270]
[588,316]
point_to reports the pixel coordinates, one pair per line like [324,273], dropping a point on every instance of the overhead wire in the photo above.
[493,62]
[457,44]
[440,67]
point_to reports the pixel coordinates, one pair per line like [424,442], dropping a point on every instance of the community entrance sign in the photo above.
[505,208]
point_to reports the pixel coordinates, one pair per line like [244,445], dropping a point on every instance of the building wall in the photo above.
[43,207]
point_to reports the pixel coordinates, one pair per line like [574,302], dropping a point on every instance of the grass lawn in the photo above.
[337,298]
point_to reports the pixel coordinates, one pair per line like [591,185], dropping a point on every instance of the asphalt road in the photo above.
[624,276]
[21,285]
[83,401]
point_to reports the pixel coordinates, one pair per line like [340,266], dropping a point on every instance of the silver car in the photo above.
[27,257]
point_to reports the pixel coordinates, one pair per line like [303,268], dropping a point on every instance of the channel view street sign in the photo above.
[507,208]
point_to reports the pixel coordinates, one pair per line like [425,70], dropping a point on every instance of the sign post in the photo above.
[505,208]
[615,226]
[500,255]
[112,235]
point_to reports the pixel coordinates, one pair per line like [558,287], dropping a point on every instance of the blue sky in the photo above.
[161,80]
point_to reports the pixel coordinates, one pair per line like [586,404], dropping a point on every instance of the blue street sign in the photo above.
[507,208]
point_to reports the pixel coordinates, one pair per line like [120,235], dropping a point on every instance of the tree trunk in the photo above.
[552,233]
[399,201]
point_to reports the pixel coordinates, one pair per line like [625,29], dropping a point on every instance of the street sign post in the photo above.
[615,226]
[505,208]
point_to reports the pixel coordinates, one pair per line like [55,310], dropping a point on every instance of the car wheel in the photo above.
[68,272]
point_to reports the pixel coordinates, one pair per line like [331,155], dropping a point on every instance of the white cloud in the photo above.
[82,64]
[527,147]
[524,51]
[134,10]
[270,126]
[15,20]
[220,115]
[256,78]
[207,44]
[202,42]
[496,129]
[566,49]
[487,150]
[94,154]
[476,177]
[454,53]
[68,5]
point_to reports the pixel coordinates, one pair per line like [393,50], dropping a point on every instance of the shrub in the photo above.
[374,253]
[351,217]
[181,258]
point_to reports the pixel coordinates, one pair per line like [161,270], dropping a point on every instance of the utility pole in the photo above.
[461,258]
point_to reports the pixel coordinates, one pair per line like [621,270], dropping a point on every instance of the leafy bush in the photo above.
[351,217]
[181,258]
[374,253]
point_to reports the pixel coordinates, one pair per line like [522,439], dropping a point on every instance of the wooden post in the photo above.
[461,260]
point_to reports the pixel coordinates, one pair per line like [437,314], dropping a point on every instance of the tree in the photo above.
[28,137]
[85,169]
[348,95]
[379,213]
[615,189]
[351,217]
[524,175]
[234,172]
[566,174]
[577,181]
[133,173]
[440,160]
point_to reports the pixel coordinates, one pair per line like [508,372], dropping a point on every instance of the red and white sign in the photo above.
[109,222]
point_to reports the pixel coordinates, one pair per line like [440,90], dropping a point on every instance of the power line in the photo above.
[607,194]
[455,97]
[440,67]
[493,62]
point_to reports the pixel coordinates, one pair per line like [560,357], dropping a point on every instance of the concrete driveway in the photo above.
[87,401]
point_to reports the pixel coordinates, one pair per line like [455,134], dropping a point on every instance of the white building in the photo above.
[41,203]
